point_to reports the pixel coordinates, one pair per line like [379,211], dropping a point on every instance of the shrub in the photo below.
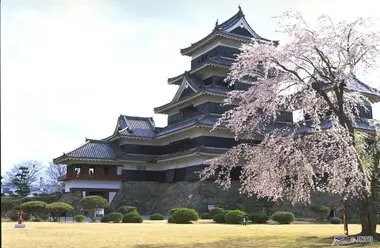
[34,207]
[104,219]
[378,218]
[184,215]
[137,219]
[216,211]
[156,216]
[13,217]
[128,218]
[335,220]
[56,209]
[171,212]
[25,217]
[206,216]
[79,218]
[116,217]
[44,217]
[283,217]
[47,199]
[258,217]
[320,210]
[220,218]
[5,207]
[170,220]
[126,210]
[235,217]
[92,203]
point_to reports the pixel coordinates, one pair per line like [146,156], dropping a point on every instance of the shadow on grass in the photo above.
[250,242]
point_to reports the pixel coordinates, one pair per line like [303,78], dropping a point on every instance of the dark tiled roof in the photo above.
[134,126]
[93,149]
[221,30]
[357,85]
[206,120]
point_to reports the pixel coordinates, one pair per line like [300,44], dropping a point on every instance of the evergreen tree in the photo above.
[21,181]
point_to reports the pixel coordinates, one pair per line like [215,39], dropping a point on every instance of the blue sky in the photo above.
[70,67]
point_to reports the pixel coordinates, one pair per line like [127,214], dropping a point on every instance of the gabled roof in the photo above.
[226,30]
[218,62]
[90,150]
[134,126]
[213,90]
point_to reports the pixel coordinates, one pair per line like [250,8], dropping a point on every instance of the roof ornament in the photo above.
[216,25]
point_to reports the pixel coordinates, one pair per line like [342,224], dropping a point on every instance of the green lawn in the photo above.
[161,234]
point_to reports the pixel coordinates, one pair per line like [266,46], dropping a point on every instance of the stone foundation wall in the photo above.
[71,198]
[151,197]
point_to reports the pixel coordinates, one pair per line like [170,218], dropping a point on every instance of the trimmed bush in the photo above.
[184,215]
[206,216]
[34,207]
[79,218]
[56,209]
[258,217]
[156,216]
[220,218]
[235,217]
[92,203]
[137,219]
[216,211]
[128,218]
[171,212]
[335,220]
[283,217]
[44,198]
[5,207]
[170,220]
[126,210]
[104,219]
[116,217]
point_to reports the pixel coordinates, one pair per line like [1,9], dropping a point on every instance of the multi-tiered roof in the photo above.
[234,31]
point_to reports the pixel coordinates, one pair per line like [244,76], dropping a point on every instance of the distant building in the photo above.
[139,151]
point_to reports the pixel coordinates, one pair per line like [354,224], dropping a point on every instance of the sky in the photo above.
[69,68]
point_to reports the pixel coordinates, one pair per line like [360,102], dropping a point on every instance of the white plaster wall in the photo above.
[102,184]
[192,133]
[179,163]
[111,196]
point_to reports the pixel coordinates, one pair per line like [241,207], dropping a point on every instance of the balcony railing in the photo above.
[93,177]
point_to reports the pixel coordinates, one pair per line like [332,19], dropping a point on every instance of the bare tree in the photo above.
[53,172]
[33,166]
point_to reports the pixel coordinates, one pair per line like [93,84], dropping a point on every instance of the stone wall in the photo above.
[151,197]
[71,198]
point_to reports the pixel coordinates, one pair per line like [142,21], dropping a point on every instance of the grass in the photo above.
[159,234]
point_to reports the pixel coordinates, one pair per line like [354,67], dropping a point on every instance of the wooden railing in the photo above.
[93,177]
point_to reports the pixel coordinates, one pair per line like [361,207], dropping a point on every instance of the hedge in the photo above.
[116,217]
[235,217]
[184,215]
[335,220]
[156,216]
[258,217]
[79,218]
[215,211]
[206,216]
[126,209]
[283,217]
[128,218]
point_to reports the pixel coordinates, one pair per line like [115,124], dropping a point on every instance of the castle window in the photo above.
[77,171]
[91,172]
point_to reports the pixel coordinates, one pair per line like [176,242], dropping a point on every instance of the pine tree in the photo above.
[21,181]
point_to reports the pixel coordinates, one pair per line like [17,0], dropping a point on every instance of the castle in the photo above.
[141,164]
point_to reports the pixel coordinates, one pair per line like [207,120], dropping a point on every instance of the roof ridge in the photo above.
[135,117]
[97,141]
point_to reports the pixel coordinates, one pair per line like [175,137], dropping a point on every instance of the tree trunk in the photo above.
[367,214]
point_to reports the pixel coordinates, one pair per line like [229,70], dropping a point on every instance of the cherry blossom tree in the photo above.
[314,72]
